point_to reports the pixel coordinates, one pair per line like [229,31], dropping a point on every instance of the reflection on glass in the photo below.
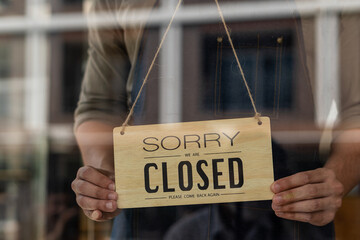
[266,59]
[273,55]
[69,60]
[66,5]
[16,179]
[211,87]
[9,7]
[11,80]
[224,1]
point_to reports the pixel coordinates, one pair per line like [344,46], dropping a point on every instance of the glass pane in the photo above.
[68,54]
[11,80]
[16,181]
[9,7]
[67,5]
[262,57]
[278,56]
[302,71]
[224,1]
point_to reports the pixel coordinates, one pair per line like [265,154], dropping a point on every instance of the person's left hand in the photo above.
[311,196]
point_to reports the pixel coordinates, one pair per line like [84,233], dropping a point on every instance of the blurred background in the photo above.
[43,52]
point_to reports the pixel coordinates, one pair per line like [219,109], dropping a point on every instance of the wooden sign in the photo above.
[193,163]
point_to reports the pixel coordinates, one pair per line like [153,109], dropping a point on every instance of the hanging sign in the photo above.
[193,163]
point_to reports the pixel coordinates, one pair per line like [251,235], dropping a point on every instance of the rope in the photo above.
[149,71]
[257,114]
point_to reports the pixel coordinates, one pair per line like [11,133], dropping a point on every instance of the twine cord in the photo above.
[257,114]
[150,68]
[131,112]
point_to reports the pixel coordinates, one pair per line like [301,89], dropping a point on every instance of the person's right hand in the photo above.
[95,193]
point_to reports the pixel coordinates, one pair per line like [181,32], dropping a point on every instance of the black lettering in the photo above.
[240,172]
[232,139]
[202,175]
[165,179]
[147,178]
[153,144]
[174,148]
[192,141]
[181,176]
[216,173]
[211,140]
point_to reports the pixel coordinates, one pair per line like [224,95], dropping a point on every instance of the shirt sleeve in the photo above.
[349,78]
[103,93]
[350,72]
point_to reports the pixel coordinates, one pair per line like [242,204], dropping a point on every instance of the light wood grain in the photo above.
[147,148]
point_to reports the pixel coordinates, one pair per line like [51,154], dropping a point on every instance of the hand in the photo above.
[312,196]
[95,193]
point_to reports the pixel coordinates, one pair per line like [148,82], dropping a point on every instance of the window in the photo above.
[8,7]
[17,212]
[270,55]
[266,59]
[66,5]
[221,1]
[11,80]
[38,153]
[69,59]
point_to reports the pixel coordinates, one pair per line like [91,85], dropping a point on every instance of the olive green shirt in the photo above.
[113,51]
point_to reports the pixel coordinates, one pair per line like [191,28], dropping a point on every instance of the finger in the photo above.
[99,216]
[88,203]
[90,190]
[110,175]
[300,179]
[95,215]
[309,206]
[318,219]
[310,191]
[94,176]
[301,217]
